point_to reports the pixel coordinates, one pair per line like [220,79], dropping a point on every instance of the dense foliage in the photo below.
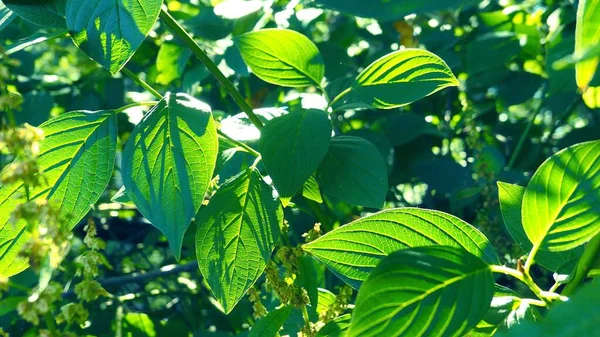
[299,168]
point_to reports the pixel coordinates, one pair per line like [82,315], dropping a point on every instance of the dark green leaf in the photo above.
[391,9]
[269,325]
[45,13]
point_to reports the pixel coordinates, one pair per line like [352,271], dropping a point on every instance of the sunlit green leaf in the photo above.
[427,291]
[168,164]
[403,77]
[236,235]
[138,325]
[110,31]
[293,146]
[270,324]
[561,205]
[587,34]
[353,250]
[283,57]
[336,328]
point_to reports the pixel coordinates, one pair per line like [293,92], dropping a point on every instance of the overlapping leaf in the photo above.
[561,205]
[77,159]
[110,31]
[423,291]
[403,77]
[46,13]
[168,164]
[236,235]
[283,57]
[353,250]
[293,146]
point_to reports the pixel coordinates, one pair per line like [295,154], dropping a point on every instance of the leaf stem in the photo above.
[546,296]
[531,258]
[240,144]
[136,104]
[584,265]
[338,97]
[182,34]
[142,83]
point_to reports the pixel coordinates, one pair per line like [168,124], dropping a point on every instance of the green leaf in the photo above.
[325,301]
[293,146]
[9,304]
[353,171]
[423,291]
[77,157]
[561,205]
[110,31]
[311,190]
[402,77]
[352,251]
[6,16]
[236,236]
[239,126]
[391,9]
[168,164]
[282,57]
[270,325]
[170,62]
[336,328]
[47,13]
[511,199]
[587,33]
[138,325]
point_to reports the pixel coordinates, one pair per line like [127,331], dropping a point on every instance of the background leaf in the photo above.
[561,205]
[293,146]
[390,9]
[168,164]
[269,325]
[354,171]
[353,250]
[429,291]
[283,57]
[236,235]
[110,31]
[587,34]
[403,77]
[77,157]
[46,13]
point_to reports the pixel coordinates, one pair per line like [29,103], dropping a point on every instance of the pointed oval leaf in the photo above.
[48,13]
[110,31]
[78,151]
[270,325]
[352,251]
[354,171]
[391,9]
[511,199]
[293,146]
[402,77]
[168,164]
[282,57]
[587,34]
[236,236]
[336,328]
[561,205]
[311,190]
[423,291]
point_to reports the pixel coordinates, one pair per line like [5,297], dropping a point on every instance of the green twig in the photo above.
[50,324]
[240,144]
[142,83]
[546,296]
[136,104]
[182,34]
[584,265]
[338,97]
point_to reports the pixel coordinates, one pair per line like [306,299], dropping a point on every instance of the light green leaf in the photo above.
[402,77]
[511,199]
[77,157]
[110,31]
[239,126]
[423,291]
[168,164]
[561,205]
[293,146]
[171,61]
[6,16]
[336,328]
[354,171]
[270,325]
[352,251]
[282,57]
[48,13]
[311,190]
[138,325]
[391,9]
[236,235]
[587,33]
